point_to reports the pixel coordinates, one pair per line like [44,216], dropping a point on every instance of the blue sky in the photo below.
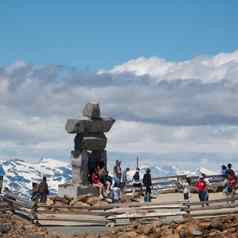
[100,34]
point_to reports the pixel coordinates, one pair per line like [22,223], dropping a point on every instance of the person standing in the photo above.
[230,170]
[230,187]
[136,183]
[202,189]
[117,172]
[147,183]
[2,173]
[43,190]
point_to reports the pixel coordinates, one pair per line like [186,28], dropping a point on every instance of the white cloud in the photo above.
[160,106]
[206,69]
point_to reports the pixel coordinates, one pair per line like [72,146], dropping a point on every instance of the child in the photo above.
[186,189]
[136,182]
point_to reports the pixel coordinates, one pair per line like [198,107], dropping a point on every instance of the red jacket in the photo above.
[201,186]
[95,179]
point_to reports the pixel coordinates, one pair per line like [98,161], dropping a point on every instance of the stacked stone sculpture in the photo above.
[89,142]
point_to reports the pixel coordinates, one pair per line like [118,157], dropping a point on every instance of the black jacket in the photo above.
[147,180]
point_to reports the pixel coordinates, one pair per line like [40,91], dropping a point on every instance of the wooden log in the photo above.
[99,213]
[217,213]
[69,223]
[114,205]
[71,217]
[17,203]
[146,215]
[72,220]
[210,208]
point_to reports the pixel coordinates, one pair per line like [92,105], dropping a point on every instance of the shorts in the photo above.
[137,185]
[186,196]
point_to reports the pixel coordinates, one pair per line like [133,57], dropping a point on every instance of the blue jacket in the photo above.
[2,172]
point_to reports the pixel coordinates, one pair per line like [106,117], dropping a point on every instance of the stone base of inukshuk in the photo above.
[89,149]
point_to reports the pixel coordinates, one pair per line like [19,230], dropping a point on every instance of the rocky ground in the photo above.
[85,201]
[13,227]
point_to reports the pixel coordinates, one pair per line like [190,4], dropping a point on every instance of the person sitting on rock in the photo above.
[107,182]
[97,183]
[105,179]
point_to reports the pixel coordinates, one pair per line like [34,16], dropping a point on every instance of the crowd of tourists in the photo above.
[112,186]
[229,180]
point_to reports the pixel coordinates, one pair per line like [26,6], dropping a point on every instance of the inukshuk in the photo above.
[89,143]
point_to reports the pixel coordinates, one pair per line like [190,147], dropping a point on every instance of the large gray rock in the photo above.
[92,110]
[93,143]
[88,125]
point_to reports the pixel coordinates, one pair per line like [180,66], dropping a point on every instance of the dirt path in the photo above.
[172,197]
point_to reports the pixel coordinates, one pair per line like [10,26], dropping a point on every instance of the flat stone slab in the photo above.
[85,125]
[93,143]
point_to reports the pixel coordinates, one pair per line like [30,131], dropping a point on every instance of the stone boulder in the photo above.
[85,125]
[92,110]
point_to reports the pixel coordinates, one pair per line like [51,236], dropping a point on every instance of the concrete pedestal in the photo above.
[73,190]
[80,169]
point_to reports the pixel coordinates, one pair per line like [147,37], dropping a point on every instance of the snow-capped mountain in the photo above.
[20,174]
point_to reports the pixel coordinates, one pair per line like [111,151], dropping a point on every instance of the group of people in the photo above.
[202,185]
[40,191]
[230,180]
[109,185]
[100,179]
[112,186]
